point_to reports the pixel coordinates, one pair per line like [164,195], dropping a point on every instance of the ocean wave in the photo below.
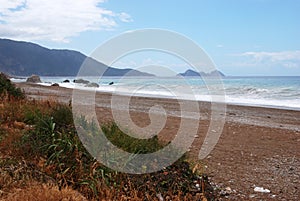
[273,92]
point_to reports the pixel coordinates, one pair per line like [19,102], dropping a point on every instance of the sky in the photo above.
[242,37]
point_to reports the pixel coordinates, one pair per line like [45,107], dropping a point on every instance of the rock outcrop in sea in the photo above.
[34,79]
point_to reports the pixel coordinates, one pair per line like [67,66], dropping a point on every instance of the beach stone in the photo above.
[92,85]
[66,81]
[34,79]
[228,190]
[111,83]
[225,192]
[81,81]
[55,85]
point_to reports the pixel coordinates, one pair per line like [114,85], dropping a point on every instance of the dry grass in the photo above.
[43,192]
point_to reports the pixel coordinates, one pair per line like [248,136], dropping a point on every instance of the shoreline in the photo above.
[256,115]
[229,99]
[258,146]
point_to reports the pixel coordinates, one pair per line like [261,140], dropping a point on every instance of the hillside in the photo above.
[24,59]
[194,73]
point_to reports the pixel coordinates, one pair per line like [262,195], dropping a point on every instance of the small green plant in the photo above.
[31,115]
[8,89]
[62,115]
[130,144]
[42,135]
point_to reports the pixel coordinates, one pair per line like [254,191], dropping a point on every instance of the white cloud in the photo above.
[124,17]
[9,4]
[55,20]
[288,59]
[274,56]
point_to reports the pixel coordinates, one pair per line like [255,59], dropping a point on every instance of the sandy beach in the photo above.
[259,147]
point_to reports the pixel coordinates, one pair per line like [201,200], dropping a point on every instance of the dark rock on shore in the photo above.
[92,85]
[66,81]
[34,79]
[81,81]
[55,85]
[111,83]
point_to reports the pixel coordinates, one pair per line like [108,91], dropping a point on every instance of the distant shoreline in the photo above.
[239,99]
[62,94]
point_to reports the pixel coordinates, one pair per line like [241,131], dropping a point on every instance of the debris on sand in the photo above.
[261,190]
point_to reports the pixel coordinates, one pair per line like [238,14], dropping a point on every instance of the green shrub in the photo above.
[62,115]
[31,115]
[130,144]
[41,137]
[7,88]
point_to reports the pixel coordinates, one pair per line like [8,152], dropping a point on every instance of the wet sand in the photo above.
[258,146]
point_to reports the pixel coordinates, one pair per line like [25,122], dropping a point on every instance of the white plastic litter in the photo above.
[261,190]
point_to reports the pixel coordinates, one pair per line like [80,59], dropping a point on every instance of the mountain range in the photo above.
[24,59]
[20,58]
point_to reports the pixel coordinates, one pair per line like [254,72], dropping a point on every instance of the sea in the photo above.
[271,92]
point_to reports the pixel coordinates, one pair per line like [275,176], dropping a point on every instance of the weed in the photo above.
[130,144]
[7,89]
[62,115]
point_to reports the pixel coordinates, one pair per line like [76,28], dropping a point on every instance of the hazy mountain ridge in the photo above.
[24,59]
[192,73]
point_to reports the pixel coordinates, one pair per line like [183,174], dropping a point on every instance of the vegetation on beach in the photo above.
[7,89]
[42,153]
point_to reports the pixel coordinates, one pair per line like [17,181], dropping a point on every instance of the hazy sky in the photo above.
[243,37]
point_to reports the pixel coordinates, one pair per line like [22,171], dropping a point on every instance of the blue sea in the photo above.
[273,92]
